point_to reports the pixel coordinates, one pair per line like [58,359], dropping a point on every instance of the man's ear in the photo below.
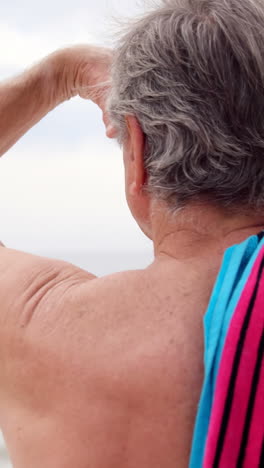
[136,155]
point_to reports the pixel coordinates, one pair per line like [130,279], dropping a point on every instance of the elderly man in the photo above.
[108,372]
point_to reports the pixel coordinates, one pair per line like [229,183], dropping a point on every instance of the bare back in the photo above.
[121,389]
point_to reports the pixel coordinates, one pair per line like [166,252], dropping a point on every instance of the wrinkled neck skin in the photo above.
[198,231]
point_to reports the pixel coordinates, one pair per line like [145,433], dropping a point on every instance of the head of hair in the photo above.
[192,73]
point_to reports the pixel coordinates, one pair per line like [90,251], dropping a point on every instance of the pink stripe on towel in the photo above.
[245,353]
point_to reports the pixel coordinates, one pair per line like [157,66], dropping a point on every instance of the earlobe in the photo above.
[133,189]
[136,189]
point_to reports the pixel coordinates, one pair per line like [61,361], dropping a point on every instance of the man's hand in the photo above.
[85,71]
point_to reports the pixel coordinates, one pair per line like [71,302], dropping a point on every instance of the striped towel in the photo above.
[229,430]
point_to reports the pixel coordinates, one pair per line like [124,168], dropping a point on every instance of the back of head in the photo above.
[192,72]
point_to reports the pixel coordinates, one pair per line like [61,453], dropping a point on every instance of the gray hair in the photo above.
[192,73]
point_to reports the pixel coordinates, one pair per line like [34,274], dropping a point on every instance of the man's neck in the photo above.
[198,230]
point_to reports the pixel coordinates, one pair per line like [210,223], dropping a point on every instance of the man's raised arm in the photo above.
[26,99]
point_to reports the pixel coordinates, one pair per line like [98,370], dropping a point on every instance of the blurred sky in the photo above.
[61,185]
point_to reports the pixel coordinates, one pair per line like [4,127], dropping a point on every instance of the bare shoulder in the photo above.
[116,357]
[133,315]
[41,292]
[25,280]
[151,310]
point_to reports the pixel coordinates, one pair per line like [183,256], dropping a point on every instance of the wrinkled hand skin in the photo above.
[86,71]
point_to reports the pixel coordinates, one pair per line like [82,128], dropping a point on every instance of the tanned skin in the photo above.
[105,373]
